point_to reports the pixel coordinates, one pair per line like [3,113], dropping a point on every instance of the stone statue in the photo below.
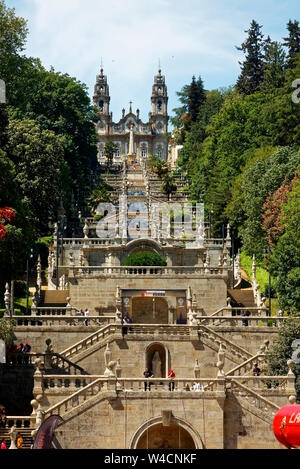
[110,371]
[156,365]
[13,435]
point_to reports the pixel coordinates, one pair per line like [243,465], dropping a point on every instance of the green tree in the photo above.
[40,170]
[262,179]
[196,97]
[168,184]
[285,260]
[283,350]
[7,328]
[252,68]
[292,42]
[109,151]
[274,66]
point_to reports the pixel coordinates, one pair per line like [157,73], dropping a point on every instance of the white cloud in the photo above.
[191,37]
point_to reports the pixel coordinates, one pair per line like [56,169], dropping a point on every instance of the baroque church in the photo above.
[130,134]
[97,322]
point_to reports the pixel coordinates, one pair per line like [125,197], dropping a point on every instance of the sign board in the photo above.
[153,293]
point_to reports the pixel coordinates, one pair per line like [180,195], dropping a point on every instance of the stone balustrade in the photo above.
[238,321]
[20,422]
[266,383]
[247,366]
[54,319]
[75,383]
[125,271]
[238,311]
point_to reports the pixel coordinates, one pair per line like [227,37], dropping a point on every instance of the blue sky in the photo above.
[191,37]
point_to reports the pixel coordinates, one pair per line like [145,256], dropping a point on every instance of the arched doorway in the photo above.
[153,310]
[177,435]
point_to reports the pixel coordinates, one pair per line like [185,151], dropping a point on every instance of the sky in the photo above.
[131,37]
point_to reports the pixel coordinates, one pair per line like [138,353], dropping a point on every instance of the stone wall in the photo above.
[120,422]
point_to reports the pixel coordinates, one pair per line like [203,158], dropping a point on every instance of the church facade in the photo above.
[130,134]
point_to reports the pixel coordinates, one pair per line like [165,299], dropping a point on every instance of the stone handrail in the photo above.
[111,330]
[215,339]
[92,339]
[20,421]
[99,384]
[247,365]
[147,271]
[46,311]
[239,321]
[266,408]
[262,383]
[228,311]
[56,320]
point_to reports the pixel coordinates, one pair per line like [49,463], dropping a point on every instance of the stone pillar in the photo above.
[131,141]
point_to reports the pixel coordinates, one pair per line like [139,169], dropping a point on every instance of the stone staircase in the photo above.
[25,433]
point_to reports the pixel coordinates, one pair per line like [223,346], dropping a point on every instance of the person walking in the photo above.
[86,314]
[3,444]
[19,441]
[171,376]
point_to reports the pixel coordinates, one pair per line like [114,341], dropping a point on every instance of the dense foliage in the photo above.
[242,155]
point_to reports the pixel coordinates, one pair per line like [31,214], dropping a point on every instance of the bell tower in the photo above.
[159,100]
[101,94]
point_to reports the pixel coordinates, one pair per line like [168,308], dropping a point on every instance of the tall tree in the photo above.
[292,42]
[40,171]
[196,97]
[274,66]
[252,69]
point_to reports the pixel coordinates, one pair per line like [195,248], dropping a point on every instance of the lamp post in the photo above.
[60,233]
[268,251]
[232,255]
[210,219]
[27,279]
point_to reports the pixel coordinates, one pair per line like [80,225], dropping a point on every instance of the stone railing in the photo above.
[20,422]
[265,408]
[98,336]
[238,321]
[54,311]
[102,384]
[237,353]
[264,383]
[229,311]
[57,320]
[245,367]
[75,383]
[147,271]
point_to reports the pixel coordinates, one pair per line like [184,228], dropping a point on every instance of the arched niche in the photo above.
[157,358]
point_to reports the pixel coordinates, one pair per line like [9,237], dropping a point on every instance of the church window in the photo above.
[101,105]
[144,152]
[159,106]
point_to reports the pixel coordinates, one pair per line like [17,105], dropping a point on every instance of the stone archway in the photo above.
[149,310]
[177,435]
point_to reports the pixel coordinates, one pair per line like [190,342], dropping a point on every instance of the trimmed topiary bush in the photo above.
[145,258]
